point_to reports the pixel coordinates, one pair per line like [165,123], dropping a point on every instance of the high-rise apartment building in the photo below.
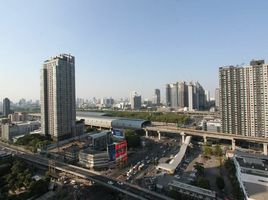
[181,95]
[135,101]
[58,97]
[6,107]
[244,99]
[217,97]
[157,97]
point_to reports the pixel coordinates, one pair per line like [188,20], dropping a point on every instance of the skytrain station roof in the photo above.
[98,120]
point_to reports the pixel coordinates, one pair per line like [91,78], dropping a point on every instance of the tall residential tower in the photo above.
[58,97]
[6,107]
[244,99]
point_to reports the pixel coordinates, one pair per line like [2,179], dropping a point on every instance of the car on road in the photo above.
[110,182]
[177,176]
[120,183]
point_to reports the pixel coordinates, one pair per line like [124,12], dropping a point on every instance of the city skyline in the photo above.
[122,42]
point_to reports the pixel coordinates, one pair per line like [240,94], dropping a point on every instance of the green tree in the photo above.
[207,151]
[133,140]
[200,169]
[202,182]
[217,150]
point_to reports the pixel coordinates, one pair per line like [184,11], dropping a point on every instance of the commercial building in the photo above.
[6,107]
[71,153]
[99,141]
[11,130]
[58,97]
[93,159]
[135,101]
[244,99]
[252,174]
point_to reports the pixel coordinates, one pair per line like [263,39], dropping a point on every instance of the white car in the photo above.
[120,183]
[177,176]
[110,182]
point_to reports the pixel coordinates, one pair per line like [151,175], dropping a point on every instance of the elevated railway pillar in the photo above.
[233,144]
[265,148]
[159,135]
[182,137]
[205,139]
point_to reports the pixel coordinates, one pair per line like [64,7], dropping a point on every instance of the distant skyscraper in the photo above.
[135,100]
[6,107]
[58,97]
[207,95]
[180,95]
[244,99]
[191,94]
[157,97]
[217,97]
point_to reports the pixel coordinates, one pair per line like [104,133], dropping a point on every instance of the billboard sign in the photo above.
[121,150]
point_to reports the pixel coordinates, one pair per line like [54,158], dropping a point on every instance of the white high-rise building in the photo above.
[58,97]
[244,99]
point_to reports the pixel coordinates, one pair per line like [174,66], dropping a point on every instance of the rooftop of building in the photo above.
[256,163]
[72,148]
[256,191]
[192,188]
[92,151]
[98,135]
[64,57]
[115,122]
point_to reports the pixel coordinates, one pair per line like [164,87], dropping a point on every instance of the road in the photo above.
[126,188]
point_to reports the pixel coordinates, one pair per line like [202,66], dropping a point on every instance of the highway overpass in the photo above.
[128,189]
[206,134]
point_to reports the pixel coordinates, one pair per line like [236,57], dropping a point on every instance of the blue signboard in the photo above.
[111,152]
[118,133]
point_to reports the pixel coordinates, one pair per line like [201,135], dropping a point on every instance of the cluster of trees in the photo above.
[33,141]
[236,190]
[154,116]
[19,178]
[200,180]
[133,139]
[216,150]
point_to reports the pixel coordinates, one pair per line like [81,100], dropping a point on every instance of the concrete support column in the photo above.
[265,149]
[146,133]
[233,144]
[182,137]
[159,135]
[205,139]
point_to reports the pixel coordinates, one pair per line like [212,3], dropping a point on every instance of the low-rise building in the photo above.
[93,159]
[11,130]
[71,153]
[192,192]
[252,174]
[18,116]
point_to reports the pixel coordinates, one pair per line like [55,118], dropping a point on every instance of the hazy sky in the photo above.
[124,45]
